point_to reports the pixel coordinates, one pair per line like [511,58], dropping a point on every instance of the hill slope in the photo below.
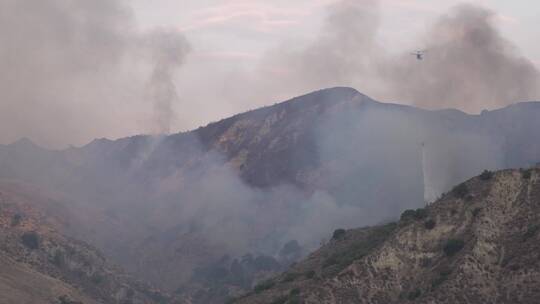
[252,183]
[477,244]
[40,265]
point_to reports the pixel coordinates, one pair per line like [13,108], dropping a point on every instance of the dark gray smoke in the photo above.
[73,70]
[469,65]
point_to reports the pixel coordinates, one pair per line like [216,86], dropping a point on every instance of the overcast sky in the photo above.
[75,70]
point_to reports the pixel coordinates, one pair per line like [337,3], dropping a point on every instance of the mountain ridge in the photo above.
[316,94]
[284,173]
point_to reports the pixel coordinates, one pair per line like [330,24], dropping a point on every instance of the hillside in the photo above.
[479,243]
[40,265]
[189,205]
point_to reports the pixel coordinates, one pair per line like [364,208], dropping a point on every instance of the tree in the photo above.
[486,175]
[453,246]
[30,240]
[460,190]
[338,234]
[429,224]
[16,219]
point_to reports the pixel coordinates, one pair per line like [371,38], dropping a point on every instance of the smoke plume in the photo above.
[468,65]
[168,51]
[73,70]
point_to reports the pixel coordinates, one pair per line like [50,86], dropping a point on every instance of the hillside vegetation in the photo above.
[479,243]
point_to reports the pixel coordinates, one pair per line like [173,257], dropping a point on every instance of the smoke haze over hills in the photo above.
[75,71]
[253,182]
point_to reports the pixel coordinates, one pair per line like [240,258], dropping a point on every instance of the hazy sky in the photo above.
[75,70]
[232,35]
[242,30]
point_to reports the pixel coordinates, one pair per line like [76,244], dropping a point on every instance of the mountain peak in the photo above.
[25,143]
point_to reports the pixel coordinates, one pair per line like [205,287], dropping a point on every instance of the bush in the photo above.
[264,286]
[338,234]
[418,214]
[280,300]
[460,190]
[526,174]
[58,258]
[415,294]
[16,220]
[476,212]
[330,262]
[66,300]
[295,300]
[429,224]
[453,246]
[97,278]
[443,276]
[290,276]
[310,274]
[486,175]
[30,240]
[531,231]
[294,292]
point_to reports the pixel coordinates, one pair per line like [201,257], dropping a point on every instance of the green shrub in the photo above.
[16,220]
[330,261]
[531,231]
[30,240]
[280,300]
[418,214]
[476,212]
[294,300]
[460,190]
[310,274]
[97,278]
[429,224]
[443,276]
[338,234]
[66,300]
[415,294]
[294,292]
[290,276]
[453,246]
[486,175]
[526,174]
[264,286]
[58,258]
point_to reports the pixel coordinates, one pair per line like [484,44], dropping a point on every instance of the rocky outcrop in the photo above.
[479,243]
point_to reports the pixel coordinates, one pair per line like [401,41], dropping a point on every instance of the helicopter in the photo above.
[419,54]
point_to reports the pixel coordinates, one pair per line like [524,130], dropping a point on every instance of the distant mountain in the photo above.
[171,208]
[478,244]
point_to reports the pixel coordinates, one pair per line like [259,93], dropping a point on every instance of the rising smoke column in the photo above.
[168,50]
[75,70]
[469,65]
